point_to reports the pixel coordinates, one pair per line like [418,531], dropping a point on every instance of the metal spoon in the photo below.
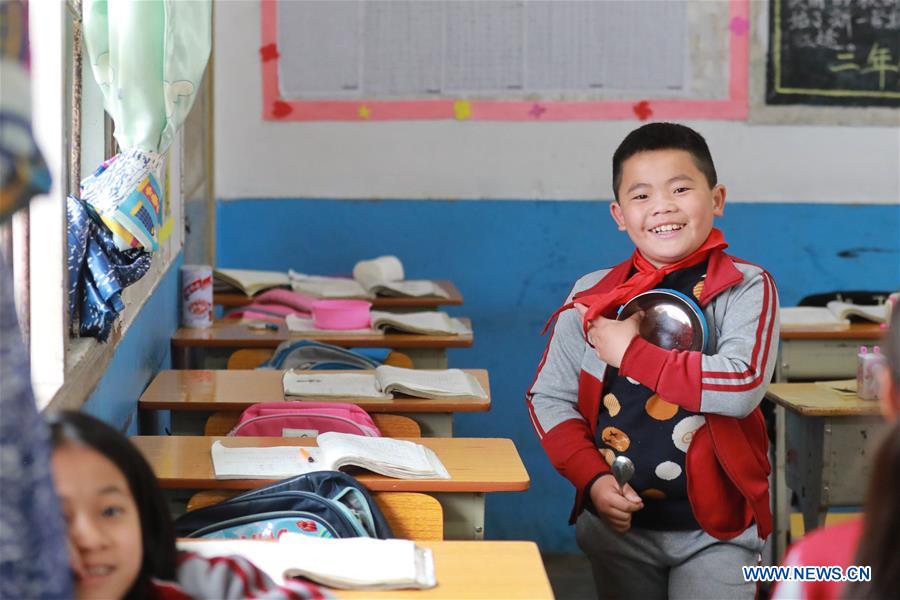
[623,471]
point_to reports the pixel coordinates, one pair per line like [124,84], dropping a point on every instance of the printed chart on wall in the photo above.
[551,60]
[834,52]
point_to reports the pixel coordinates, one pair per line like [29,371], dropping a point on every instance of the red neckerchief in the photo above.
[646,277]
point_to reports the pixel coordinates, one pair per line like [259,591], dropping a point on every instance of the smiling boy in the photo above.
[697,507]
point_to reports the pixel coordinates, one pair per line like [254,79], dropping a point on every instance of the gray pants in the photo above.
[647,564]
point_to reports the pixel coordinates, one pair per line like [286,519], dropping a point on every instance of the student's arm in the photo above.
[552,404]
[732,381]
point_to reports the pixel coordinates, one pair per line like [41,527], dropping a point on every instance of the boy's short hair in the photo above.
[663,136]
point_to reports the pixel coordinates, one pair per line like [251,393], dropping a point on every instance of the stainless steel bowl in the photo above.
[671,320]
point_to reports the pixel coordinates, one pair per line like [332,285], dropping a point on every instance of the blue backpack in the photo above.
[327,504]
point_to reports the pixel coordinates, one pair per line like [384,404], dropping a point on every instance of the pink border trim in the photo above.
[276,108]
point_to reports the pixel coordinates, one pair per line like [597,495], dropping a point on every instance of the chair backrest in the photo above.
[410,515]
[220,423]
[850,296]
[250,358]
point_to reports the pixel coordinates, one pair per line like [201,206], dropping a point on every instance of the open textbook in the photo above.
[348,563]
[386,456]
[834,316]
[251,282]
[425,322]
[382,276]
[382,382]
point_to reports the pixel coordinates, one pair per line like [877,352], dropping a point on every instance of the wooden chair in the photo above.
[250,358]
[220,423]
[411,515]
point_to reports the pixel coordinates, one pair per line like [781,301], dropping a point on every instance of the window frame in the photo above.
[65,369]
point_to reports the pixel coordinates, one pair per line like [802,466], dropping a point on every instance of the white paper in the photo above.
[370,273]
[873,312]
[276,462]
[326,287]
[427,322]
[336,385]
[810,317]
[297,324]
[441,382]
[250,280]
[390,457]
[344,563]
[500,48]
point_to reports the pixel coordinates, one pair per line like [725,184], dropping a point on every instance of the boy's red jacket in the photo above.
[727,462]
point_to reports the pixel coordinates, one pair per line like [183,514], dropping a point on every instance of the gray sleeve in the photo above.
[554,394]
[735,377]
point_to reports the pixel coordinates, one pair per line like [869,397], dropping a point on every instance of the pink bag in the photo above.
[304,419]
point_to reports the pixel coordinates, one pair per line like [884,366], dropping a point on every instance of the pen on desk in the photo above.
[305,454]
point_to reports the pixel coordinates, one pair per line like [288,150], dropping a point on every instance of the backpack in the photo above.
[308,354]
[327,504]
[304,419]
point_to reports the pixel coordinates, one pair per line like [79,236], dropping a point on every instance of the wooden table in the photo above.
[485,570]
[231,299]
[805,355]
[823,438]
[426,351]
[192,395]
[476,465]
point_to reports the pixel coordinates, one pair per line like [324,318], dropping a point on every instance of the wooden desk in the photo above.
[823,437]
[192,395]
[810,354]
[476,466]
[232,299]
[487,570]
[426,351]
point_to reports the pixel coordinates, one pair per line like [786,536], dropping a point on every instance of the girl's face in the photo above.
[103,521]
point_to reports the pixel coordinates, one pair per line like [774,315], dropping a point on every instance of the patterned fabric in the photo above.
[636,422]
[98,270]
[34,561]
[124,192]
[230,577]
[148,57]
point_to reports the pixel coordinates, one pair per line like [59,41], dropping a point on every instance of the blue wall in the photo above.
[514,262]
[141,354]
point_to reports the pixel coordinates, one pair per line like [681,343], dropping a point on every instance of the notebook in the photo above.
[389,457]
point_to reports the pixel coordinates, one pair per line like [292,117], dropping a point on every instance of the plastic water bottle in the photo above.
[867,366]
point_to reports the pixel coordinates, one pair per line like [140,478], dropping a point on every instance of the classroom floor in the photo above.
[570,576]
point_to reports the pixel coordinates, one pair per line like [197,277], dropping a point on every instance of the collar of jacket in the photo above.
[721,274]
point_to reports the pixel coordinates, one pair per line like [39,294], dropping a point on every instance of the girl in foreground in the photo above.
[120,532]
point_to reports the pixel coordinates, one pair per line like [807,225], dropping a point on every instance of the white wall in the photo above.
[500,160]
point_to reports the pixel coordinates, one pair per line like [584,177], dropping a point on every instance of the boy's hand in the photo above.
[611,338]
[612,506]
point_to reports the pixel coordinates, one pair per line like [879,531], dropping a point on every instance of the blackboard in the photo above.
[834,52]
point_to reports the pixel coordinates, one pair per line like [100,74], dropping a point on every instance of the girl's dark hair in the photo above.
[157,533]
[664,136]
[879,546]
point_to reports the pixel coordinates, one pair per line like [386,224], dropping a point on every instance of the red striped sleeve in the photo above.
[761,348]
